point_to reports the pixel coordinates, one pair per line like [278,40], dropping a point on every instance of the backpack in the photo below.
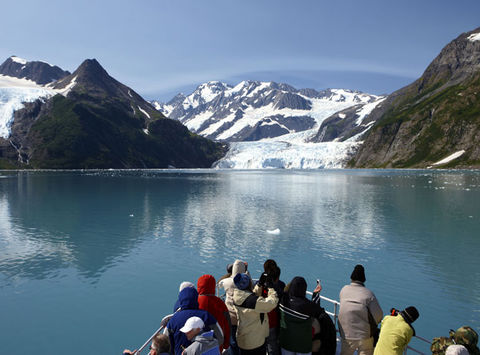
[465,336]
[440,344]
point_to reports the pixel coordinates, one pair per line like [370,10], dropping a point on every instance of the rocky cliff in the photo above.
[436,117]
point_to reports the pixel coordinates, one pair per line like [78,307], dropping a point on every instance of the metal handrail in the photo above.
[415,350]
[163,324]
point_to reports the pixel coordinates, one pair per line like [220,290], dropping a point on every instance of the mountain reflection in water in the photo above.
[116,244]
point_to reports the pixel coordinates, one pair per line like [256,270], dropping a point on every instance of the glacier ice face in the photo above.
[13,99]
[287,155]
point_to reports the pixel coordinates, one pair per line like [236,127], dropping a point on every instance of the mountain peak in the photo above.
[19,60]
[91,75]
[40,72]
[91,67]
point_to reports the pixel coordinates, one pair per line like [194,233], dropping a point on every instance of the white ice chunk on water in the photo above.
[274,231]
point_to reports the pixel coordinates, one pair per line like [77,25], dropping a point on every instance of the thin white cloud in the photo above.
[171,80]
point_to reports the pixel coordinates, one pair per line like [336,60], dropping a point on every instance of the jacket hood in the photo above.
[188,298]
[298,287]
[205,337]
[206,285]
[240,295]
[238,268]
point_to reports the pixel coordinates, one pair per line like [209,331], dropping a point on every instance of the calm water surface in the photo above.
[91,261]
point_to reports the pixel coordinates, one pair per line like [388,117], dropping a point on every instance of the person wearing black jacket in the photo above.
[296,315]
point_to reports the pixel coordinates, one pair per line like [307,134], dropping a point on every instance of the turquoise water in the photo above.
[91,261]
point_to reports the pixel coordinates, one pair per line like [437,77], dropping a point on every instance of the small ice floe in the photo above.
[131,215]
[273,231]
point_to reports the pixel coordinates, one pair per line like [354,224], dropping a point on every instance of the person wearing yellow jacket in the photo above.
[396,332]
[252,308]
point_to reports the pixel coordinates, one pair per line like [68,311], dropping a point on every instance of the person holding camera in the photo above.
[396,331]
[251,308]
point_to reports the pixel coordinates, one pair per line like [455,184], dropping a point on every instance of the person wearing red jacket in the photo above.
[215,306]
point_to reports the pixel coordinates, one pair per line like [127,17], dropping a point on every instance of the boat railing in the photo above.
[163,324]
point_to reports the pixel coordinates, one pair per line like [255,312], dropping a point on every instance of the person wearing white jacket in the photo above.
[357,305]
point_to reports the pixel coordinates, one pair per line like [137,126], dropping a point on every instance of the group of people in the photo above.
[269,317]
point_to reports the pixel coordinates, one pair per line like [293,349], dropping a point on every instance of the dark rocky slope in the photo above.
[430,119]
[40,72]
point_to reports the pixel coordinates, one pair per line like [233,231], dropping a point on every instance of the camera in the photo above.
[266,280]
[394,311]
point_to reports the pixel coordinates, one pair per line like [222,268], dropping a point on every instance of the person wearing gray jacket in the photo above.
[203,343]
[357,305]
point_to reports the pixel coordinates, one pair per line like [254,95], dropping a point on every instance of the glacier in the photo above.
[287,155]
[15,92]
[13,99]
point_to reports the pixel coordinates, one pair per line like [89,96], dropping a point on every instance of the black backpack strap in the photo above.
[249,302]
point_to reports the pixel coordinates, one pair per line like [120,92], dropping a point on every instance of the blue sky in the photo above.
[161,47]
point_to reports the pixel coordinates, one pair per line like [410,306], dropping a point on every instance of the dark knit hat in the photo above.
[358,274]
[242,281]
[410,314]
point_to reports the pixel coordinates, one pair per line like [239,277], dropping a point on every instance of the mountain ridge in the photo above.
[253,110]
[433,117]
[37,71]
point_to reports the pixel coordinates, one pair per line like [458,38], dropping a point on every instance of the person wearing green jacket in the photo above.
[396,332]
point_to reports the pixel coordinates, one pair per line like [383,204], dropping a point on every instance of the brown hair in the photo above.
[162,343]
[269,266]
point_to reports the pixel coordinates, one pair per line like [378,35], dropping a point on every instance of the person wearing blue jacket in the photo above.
[188,301]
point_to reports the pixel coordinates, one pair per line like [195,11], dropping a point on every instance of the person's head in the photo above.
[229,268]
[466,336]
[239,267]
[188,298]
[269,266]
[185,284]
[410,314]
[160,344]
[358,274]
[272,269]
[206,285]
[242,281]
[192,327]
[456,349]
[297,287]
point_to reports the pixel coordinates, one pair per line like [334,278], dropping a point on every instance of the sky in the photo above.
[162,47]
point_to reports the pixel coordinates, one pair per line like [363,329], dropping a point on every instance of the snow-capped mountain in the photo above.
[272,125]
[254,110]
[88,119]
